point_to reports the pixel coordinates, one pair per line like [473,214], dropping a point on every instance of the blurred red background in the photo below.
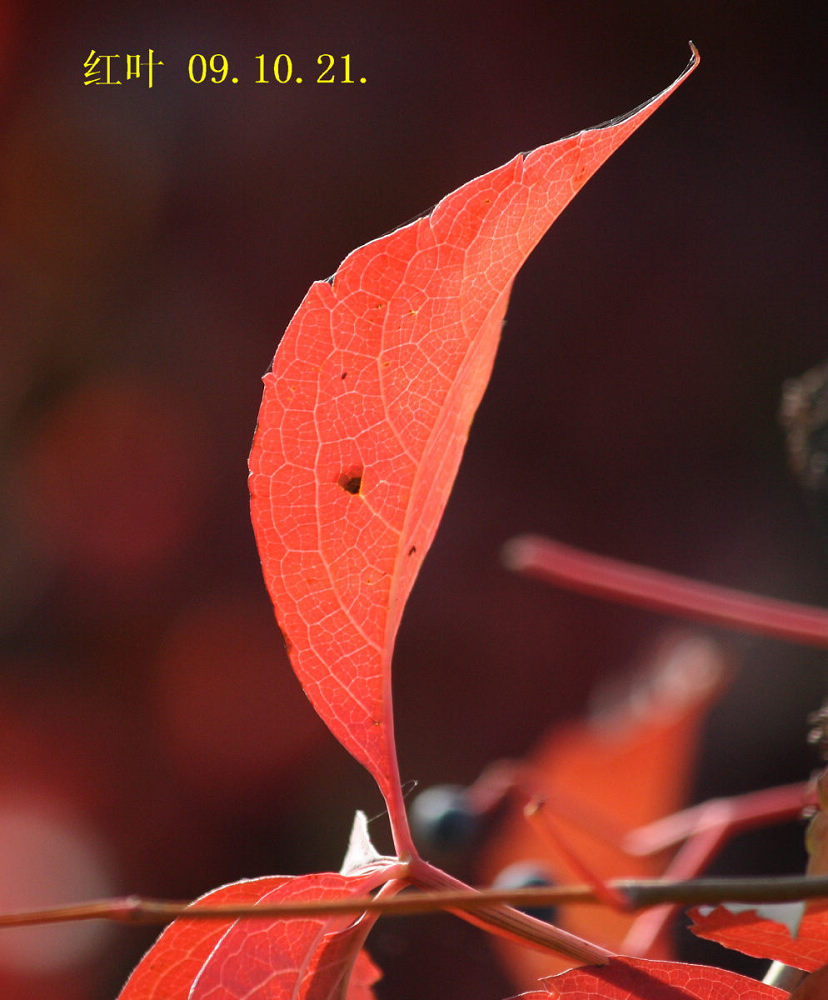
[155,243]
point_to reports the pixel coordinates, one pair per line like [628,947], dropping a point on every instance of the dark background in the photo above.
[155,244]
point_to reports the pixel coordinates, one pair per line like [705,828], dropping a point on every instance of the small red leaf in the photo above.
[258,958]
[642,979]
[305,958]
[365,973]
[168,969]
[365,416]
[755,934]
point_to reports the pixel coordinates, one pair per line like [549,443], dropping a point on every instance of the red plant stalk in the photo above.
[600,576]
[542,822]
[694,857]
[510,923]
[735,814]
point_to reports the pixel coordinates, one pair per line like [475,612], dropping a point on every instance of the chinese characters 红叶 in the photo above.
[102,70]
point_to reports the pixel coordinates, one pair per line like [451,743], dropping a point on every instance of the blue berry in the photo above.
[442,818]
[528,875]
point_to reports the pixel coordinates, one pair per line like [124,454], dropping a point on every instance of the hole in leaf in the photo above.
[351,481]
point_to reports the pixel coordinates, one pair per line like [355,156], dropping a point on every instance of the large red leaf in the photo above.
[756,933]
[641,979]
[258,958]
[365,416]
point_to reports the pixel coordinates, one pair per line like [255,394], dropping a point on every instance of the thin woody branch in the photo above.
[640,893]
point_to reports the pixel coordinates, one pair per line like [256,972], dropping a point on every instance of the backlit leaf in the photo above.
[755,933]
[168,969]
[365,416]
[641,979]
[262,958]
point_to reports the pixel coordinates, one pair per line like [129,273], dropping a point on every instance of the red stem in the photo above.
[704,829]
[659,591]
[694,856]
[507,922]
[539,819]
[737,813]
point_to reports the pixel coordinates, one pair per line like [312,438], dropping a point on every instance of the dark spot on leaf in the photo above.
[344,375]
[412,550]
[351,481]
[581,176]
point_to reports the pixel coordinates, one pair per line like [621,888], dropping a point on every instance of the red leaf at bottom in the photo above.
[256,958]
[641,979]
[755,933]
[168,969]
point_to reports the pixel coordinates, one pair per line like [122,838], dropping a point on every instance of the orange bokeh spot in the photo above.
[111,481]
[231,712]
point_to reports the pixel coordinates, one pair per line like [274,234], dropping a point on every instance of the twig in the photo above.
[641,893]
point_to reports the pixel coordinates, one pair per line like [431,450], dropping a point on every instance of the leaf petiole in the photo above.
[614,579]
